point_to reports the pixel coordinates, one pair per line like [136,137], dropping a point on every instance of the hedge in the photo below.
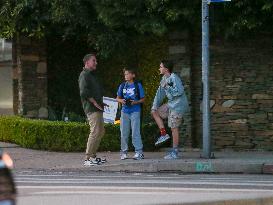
[63,136]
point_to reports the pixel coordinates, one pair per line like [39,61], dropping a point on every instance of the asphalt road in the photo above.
[82,188]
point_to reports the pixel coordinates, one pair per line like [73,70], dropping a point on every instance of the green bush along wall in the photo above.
[63,136]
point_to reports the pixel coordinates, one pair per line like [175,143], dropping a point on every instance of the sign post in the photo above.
[205,80]
[215,1]
[205,77]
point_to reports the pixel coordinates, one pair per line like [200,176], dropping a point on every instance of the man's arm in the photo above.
[94,102]
[87,93]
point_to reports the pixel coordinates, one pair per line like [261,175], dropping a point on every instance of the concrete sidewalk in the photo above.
[190,162]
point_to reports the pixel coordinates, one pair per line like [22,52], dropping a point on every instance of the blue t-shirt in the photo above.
[129,92]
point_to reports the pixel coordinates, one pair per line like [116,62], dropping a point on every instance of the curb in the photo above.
[185,167]
[258,201]
[268,169]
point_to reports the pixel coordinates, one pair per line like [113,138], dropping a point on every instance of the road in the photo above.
[61,188]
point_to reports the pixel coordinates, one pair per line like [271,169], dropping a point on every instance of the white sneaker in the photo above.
[123,156]
[101,160]
[138,156]
[162,139]
[172,155]
[91,162]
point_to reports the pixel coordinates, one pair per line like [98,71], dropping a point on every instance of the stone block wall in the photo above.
[180,54]
[30,77]
[241,93]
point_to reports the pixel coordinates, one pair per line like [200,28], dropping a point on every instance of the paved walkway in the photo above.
[190,162]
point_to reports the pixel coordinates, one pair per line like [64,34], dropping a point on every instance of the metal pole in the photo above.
[205,80]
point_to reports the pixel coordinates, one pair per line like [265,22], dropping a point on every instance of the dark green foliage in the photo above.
[64,67]
[65,64]
[63,136]
[108,25]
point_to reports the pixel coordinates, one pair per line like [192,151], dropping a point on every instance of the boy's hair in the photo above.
[87,57]
[168,64]
[130,70]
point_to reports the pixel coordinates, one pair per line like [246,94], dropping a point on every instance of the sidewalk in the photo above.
[190,162]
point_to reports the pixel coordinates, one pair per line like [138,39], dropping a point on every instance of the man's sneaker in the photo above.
[123,156]
[162,139]
[91,162]
[171,155]
[138,156]
[101,160]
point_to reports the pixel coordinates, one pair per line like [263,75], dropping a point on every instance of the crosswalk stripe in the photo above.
[144,177]
[27,179]
[144,189]
[69,181]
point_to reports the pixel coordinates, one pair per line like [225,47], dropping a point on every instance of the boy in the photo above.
[171,87]
[130,94]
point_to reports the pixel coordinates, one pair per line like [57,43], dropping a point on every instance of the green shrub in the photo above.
[63,136]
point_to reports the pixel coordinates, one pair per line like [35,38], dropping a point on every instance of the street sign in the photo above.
[215,1]
[110,111]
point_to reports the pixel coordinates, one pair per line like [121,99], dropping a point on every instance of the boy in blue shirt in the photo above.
[171,87]
[130,94]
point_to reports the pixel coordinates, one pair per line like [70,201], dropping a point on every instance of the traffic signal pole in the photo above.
[205,80]
[205,77]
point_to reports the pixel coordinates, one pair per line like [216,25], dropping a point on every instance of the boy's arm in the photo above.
[141,95]
[119,96]
[121,100]
[134,102]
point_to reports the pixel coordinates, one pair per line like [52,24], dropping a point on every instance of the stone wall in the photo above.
[180,54]
[241,79]
[30,77]
[241,96]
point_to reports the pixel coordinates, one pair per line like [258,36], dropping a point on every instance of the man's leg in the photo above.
[96,133]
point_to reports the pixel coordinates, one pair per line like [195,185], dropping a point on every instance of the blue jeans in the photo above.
[128,121]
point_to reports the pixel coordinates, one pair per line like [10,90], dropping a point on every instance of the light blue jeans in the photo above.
[128,121]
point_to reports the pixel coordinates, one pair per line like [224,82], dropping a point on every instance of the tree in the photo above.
[110,24]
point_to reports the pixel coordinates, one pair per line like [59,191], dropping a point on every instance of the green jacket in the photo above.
[90,87]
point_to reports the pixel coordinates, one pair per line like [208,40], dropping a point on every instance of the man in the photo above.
[92,102]
[172,88]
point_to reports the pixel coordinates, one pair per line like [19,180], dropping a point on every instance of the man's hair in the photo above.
[168,64]
[87,57]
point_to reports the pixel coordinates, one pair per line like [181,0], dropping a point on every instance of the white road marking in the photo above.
[132,181]
[143,189]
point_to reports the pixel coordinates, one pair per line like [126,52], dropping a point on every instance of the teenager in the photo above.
[171,87]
